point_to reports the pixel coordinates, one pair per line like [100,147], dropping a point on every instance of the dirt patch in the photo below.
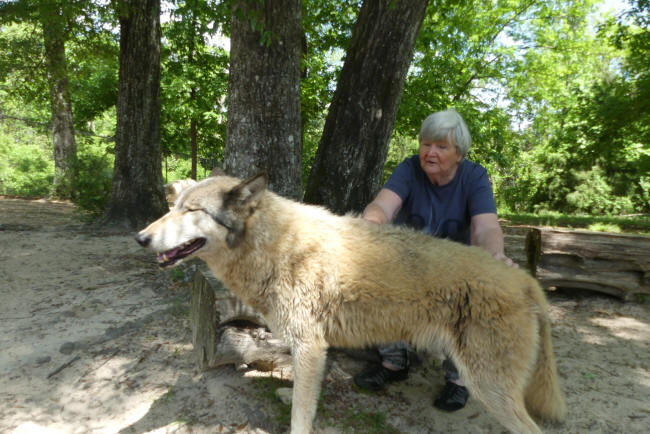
[96,338]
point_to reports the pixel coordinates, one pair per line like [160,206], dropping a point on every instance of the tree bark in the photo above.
[137,196]
[65,146]
[194,148]
[348,167]
[264,126]
[616,264]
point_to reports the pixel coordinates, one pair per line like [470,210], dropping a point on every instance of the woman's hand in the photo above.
[502,257]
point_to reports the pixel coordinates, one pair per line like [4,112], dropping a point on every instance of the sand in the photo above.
[96,339]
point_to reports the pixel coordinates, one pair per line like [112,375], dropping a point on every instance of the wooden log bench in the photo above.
[615,264]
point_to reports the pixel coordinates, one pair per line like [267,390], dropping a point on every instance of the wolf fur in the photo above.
[324,280]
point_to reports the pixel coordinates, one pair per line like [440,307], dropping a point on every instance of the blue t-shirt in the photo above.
[443,211]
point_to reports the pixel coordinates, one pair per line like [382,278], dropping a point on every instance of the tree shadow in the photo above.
[217,399]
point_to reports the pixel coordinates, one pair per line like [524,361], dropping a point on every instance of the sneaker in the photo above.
[453,397]
[378,376]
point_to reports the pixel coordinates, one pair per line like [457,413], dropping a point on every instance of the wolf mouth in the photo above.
[172,256]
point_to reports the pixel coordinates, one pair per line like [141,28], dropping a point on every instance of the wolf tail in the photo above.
[543,396]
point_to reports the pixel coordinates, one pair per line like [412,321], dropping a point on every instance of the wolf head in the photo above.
[211,214]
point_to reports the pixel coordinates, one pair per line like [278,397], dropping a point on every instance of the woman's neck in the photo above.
[441,179]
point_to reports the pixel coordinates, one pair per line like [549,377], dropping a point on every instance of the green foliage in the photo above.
[593,195]
[634,223]
[26,163]
[556,97]
[27,166]
[21,61]
[583,138]
[399,149]
[94,175]
[91,54]
[193,84]
[94,181]
[175,167]
[93,70]
[605,227]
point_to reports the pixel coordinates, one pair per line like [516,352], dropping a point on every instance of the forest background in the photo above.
[555,93]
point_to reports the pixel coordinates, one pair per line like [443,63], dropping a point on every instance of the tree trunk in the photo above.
[194,148]
[616,264]
[347,170]
[137,196]
[264,127]
[65,146]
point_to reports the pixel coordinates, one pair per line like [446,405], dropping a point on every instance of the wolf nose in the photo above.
[143,240]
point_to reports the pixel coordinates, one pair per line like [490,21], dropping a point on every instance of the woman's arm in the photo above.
[486,232]
[383,208]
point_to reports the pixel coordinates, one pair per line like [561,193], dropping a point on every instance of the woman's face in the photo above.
[439,160]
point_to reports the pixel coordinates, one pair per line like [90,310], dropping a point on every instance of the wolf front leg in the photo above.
[309,367]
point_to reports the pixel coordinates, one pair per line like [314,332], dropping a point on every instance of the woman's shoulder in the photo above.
[474,174]
[472,165]
[412,161]
[472,170]
[408,166]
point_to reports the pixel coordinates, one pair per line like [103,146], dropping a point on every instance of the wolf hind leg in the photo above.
[309,369]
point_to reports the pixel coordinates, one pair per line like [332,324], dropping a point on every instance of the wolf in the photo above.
[324,280]
[173,189]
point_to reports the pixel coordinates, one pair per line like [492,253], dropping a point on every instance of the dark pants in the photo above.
[396,354]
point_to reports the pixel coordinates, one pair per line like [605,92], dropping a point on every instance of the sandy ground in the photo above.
[95,339]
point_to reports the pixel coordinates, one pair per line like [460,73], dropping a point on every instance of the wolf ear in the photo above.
[248,191]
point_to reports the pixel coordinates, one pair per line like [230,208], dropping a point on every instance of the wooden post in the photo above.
[514,241]
[203,320]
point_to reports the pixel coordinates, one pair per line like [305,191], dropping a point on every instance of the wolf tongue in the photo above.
[169,254]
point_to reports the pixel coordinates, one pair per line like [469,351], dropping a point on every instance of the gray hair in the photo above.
[447,125]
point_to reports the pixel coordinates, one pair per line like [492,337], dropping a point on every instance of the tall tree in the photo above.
[137,195]
[56,18]
[65,147]
[264,128]
[348,166]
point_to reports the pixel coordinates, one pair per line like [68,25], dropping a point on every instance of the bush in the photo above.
[92,189]
[175,167]
[593,195]
[26,163]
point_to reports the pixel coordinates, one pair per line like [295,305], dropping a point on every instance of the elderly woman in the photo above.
[445,195]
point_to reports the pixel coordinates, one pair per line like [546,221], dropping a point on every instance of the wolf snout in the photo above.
[143,240]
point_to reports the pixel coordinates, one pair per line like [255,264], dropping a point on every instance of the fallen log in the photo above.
[226,331]
[615,264]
